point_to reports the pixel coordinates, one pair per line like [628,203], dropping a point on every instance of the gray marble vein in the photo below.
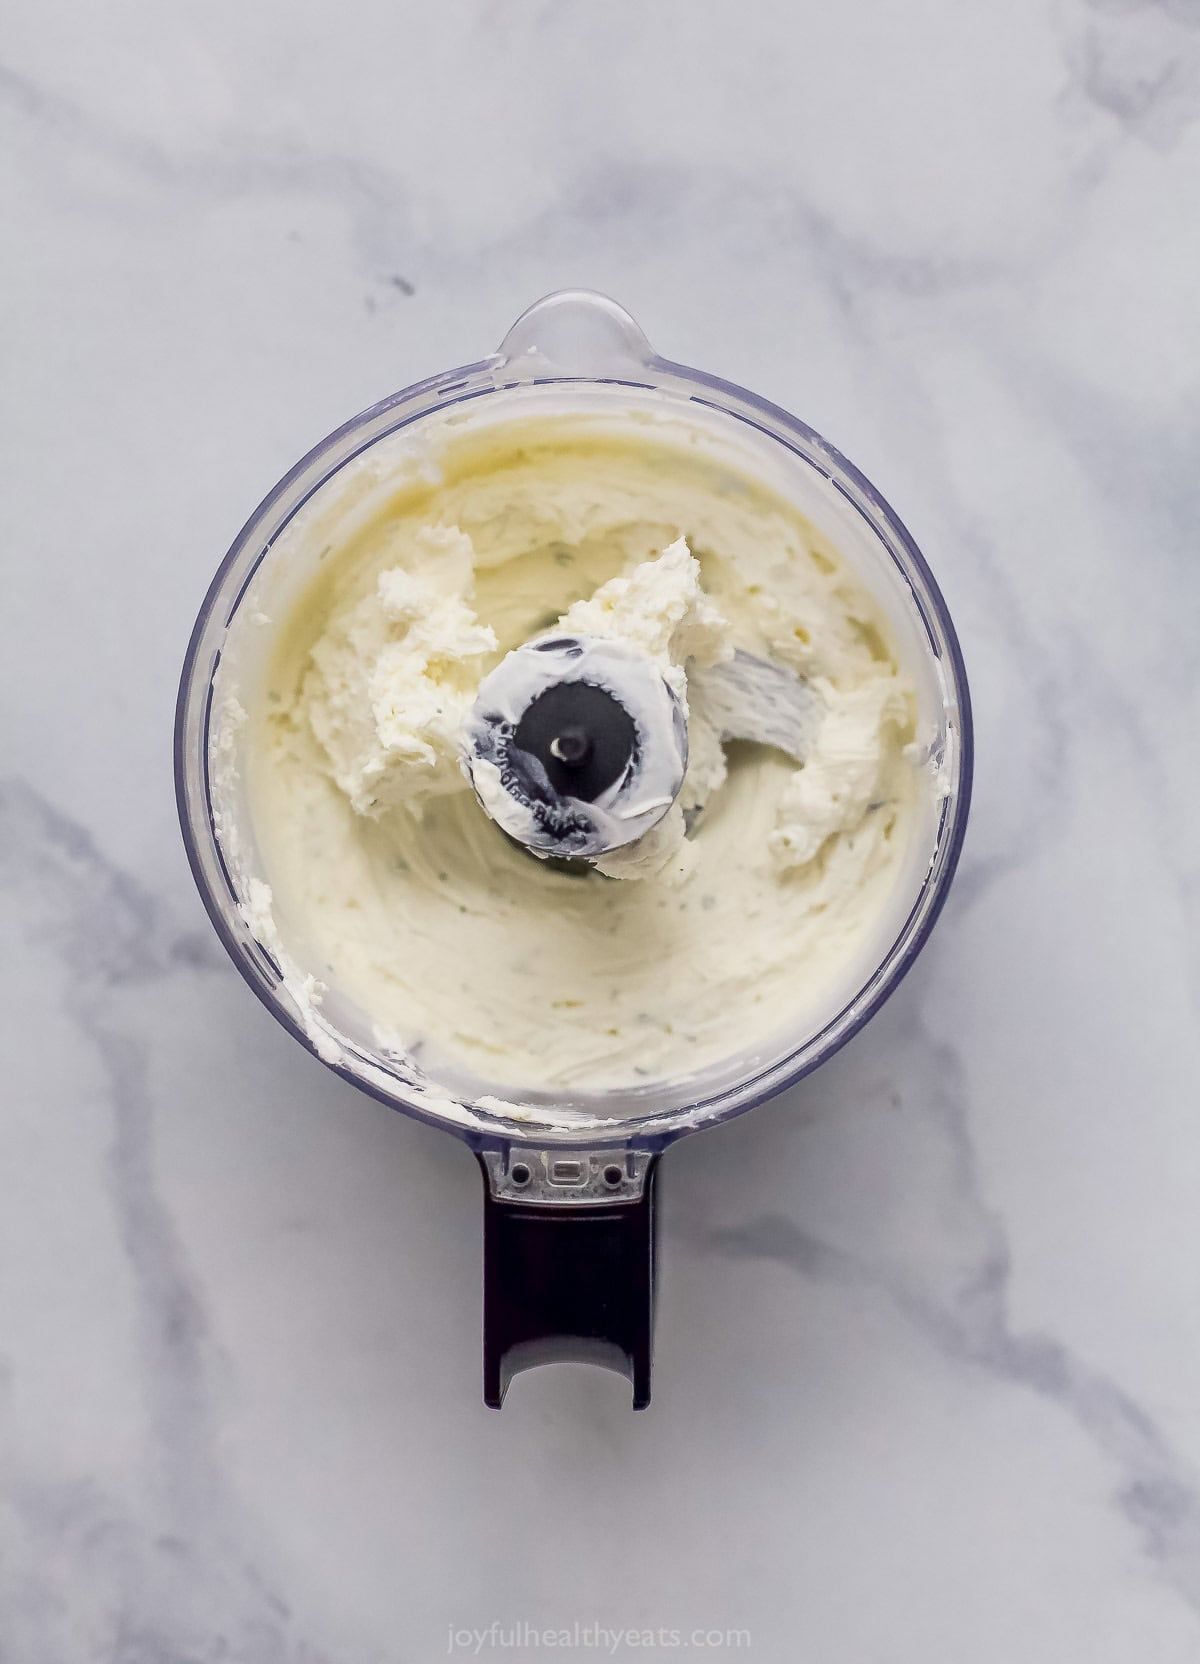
[1156,1486]
[175,1591]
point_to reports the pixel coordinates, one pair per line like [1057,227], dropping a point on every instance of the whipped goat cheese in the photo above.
[745,905]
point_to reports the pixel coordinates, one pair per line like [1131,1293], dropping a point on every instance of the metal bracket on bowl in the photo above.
[567,1178]
[568,1263]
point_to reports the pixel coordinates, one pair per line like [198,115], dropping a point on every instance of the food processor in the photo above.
[568,1180]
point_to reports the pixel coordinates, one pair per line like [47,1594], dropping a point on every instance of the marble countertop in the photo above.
[928,1371]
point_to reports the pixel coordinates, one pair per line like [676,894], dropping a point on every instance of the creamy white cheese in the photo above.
[394,675]
[760,892]
[661,609]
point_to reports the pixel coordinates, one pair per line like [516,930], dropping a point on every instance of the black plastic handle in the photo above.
[568,1281]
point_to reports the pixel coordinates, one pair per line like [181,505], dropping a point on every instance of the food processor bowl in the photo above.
[568,1180]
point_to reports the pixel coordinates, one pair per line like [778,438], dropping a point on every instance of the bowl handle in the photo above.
[568,1263]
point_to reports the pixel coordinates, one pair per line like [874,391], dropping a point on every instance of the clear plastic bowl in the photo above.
[575,351]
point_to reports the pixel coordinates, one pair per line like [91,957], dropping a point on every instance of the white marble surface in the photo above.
[928,1374]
